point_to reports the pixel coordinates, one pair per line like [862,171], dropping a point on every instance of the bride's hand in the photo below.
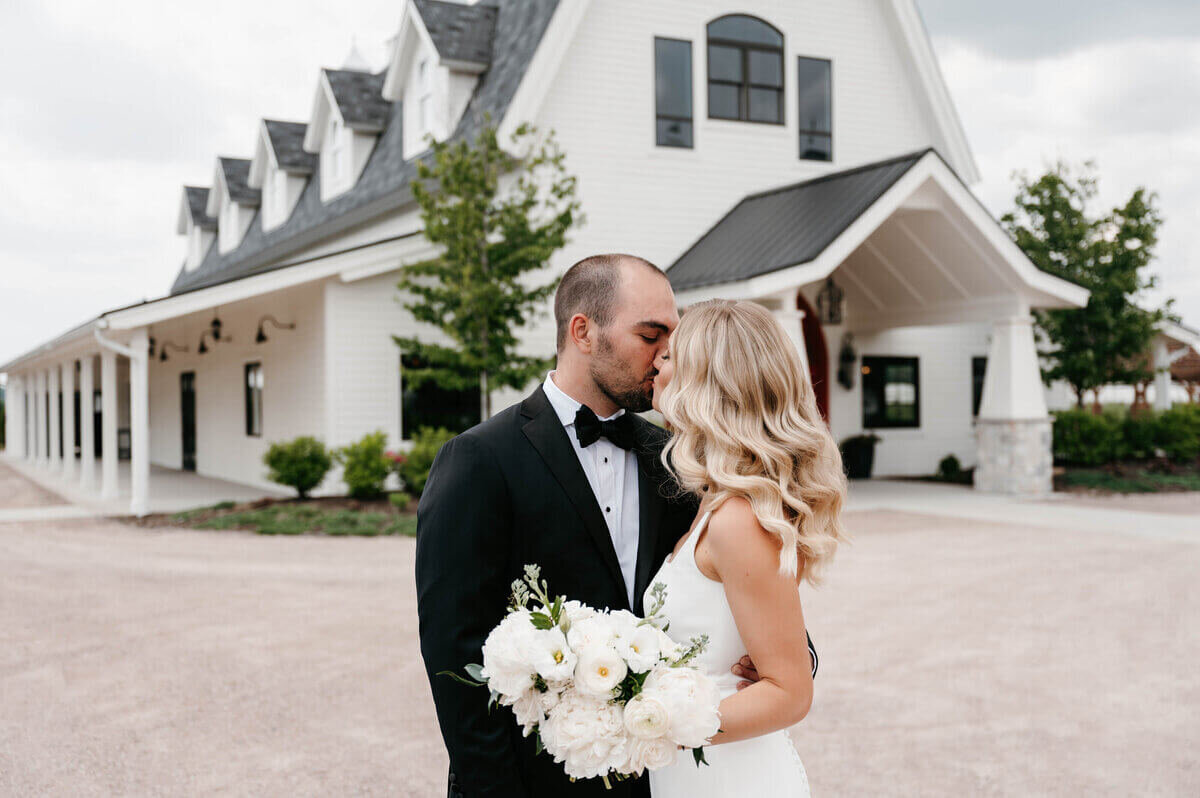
[744,667]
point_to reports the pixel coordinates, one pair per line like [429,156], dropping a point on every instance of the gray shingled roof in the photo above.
[197,199]
[785,226]
[236,171]
[459,32]
[359,97]
[383,186]
[287,141]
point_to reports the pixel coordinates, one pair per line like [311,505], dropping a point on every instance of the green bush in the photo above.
[1139,436]
[400,500]
[365,466]
[1179,432]
[301,463]
[415,468]
[949,467]
[1084,438]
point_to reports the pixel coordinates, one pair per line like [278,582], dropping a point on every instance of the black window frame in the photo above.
[977,381]
[251,417]
[745,85]
[658,115]
[802,131]
[873,366]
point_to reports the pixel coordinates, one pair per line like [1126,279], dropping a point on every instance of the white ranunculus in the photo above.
[551,656]
[645,755]
[646,717]
[640,649]
[599,670]
[624,623]
[590,631]
[692,701]
[586,735]
[507,657]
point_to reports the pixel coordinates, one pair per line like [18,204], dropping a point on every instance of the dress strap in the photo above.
[699,530]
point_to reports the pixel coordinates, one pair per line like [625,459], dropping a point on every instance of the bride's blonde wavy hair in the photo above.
[745,423]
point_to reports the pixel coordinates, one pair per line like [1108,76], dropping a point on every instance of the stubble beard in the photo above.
[612,377]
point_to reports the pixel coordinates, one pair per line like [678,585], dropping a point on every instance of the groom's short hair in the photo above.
[591,287]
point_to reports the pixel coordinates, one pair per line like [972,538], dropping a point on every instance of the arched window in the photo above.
[745,70]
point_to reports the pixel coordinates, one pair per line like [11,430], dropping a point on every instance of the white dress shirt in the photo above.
[613,474]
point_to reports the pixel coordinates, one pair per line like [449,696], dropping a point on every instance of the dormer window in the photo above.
[334,153]
[280,169]
[745,70]
[279,192]
[349,113]
[425,98]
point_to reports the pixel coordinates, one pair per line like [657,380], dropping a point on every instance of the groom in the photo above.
[568,479]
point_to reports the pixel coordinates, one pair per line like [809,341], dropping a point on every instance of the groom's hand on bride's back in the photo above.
[744,667]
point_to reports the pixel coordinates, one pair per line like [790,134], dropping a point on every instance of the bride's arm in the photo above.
[766,608]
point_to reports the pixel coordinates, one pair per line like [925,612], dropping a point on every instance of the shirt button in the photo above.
[608,509]
[606,459]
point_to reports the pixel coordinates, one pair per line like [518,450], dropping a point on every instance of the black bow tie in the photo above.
[589,428]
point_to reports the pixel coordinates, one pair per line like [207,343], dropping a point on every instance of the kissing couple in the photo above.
[730,506]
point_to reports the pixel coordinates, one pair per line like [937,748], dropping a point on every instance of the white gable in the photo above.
[342,151]
[281,189]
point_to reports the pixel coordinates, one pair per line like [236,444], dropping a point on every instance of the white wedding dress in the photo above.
[762,767]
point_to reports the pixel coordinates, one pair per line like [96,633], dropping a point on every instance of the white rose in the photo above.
[600,669]
[585,735]
[649,755]
[507,662]
[646,717]
[593,630]
[530,711]
[692,701]
[551,656]
[576,611]
[641,649]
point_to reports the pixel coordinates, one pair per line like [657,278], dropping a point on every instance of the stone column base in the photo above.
[1014,456]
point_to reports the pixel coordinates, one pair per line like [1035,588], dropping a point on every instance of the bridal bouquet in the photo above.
[607,693]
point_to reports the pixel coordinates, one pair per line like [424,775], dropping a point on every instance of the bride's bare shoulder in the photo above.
[737,539]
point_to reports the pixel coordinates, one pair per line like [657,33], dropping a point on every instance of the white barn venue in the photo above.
[801,154]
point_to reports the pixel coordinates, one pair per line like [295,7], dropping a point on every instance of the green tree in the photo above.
[1107,341]
[494,239]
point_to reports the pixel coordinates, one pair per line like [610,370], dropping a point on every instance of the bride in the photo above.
[751,444]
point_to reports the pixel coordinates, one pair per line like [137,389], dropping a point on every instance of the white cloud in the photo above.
[1129,106]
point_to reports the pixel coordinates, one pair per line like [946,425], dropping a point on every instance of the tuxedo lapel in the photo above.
[650,515]
[549,438]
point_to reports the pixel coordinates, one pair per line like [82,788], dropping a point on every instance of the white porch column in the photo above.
[792,320]
[108,424]
[14,415]
[43,444]
[55,407]
[68,416]
[139,427]
[1162,374]
[87,442]
[1013,430]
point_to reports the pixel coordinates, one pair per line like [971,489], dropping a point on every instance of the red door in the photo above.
[818,354]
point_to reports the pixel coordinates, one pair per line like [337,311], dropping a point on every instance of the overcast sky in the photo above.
[106,109]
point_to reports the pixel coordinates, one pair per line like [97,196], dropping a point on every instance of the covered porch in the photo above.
[911,308]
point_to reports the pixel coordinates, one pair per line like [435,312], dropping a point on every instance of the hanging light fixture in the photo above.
[262,335]
[216,328]
[829,302]
[151,351]
[163,357]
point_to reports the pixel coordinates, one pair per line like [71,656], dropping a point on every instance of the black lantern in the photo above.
[151,352]
[847,357]
[829,302]
[216,329]
[262,335]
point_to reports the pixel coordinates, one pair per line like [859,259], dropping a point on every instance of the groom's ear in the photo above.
[581,333]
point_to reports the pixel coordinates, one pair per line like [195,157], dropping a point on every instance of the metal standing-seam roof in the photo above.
[785,226]
[384,183]
[197,200]
[460,32]
[236,171]
[359,97]
[287,142]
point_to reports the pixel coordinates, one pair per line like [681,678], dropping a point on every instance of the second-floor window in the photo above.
[425,99]
[335,148]
[673,92]
[814,83]
[745,70]
[279,192]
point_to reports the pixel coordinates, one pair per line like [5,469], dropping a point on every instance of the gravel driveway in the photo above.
[957,658]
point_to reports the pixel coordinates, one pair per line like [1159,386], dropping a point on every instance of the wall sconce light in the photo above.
[151,351]
[829,302]
[262,336]
[201,349]
[163,357]
[216,328]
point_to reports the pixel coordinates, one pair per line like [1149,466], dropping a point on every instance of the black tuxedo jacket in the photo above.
[507,492]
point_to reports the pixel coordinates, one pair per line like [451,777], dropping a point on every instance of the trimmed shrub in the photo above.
[400,500]
[300,464]
[1084,438]
[1179,432]
[365,466]
[949,468]
[1139,436]
[415,469]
